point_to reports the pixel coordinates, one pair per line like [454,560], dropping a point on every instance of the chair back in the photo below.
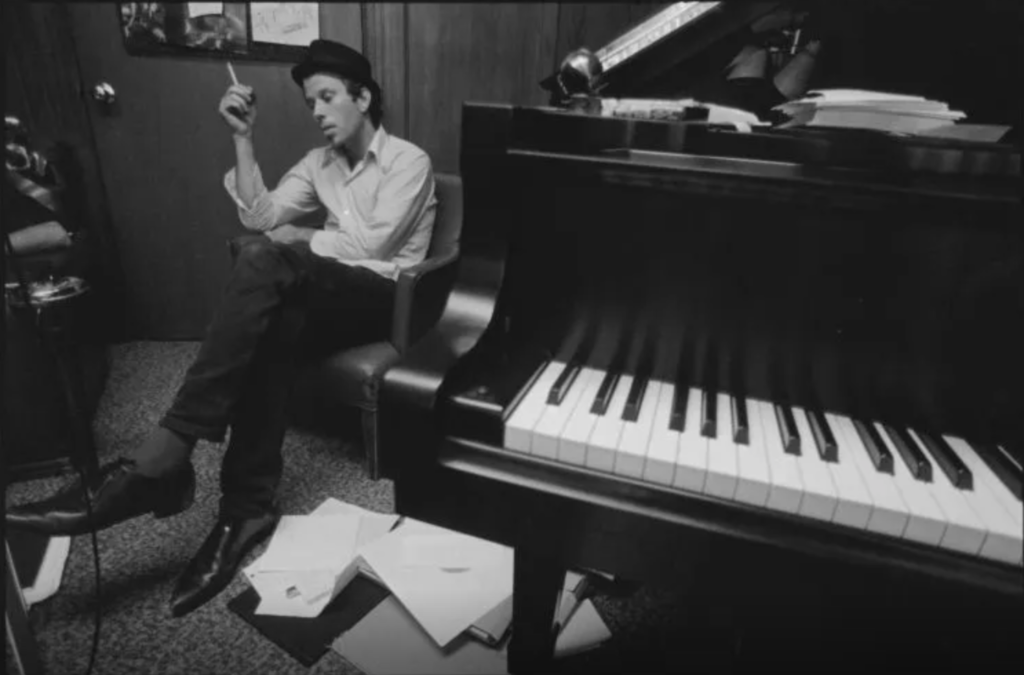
[448,220]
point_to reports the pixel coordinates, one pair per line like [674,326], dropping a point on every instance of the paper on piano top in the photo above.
[313,557]
[848,95]
[445,601]
[859,99]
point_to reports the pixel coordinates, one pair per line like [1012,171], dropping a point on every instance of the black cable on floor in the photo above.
[96,562]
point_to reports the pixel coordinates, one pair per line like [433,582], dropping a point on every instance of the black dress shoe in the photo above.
[119,493]
[217,561]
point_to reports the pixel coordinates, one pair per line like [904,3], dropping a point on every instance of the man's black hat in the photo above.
[327,56]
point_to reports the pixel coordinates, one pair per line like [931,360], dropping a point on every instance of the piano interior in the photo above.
[790,357]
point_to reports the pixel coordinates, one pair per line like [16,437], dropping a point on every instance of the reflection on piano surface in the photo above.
[793,355]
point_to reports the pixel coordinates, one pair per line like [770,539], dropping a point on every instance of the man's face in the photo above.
[338,116]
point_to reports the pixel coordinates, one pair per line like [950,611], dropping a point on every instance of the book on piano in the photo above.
[682,110]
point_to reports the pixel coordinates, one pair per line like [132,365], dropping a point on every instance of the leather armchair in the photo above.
[351,377]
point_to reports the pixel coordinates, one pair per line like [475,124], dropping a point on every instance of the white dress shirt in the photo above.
[380,213]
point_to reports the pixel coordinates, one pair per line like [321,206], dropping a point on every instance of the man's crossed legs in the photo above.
[281,299]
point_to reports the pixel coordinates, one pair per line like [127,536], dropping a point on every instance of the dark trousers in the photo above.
[283,304]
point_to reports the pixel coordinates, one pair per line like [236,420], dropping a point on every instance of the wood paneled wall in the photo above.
[432,57]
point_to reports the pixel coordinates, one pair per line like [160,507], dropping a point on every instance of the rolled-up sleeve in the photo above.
[294,196]
[403,197]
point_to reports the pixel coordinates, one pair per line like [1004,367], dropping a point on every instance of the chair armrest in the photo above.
[420,294]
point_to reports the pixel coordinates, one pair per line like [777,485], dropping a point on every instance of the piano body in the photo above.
[789,357]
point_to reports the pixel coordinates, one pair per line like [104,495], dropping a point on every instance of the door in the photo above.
[163,152]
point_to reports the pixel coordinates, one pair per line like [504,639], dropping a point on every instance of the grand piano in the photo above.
[790,355]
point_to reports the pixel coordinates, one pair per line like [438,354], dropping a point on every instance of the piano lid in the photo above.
[633,62]
[652,30]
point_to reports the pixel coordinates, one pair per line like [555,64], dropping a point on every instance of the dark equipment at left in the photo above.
[55,362]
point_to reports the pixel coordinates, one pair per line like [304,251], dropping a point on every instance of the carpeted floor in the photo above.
[652,628]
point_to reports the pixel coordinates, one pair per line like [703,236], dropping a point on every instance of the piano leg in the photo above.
[536,584]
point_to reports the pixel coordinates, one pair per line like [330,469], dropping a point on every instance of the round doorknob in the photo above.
[104,93]
[13,125]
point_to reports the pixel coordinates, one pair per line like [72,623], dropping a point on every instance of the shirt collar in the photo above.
[376,150]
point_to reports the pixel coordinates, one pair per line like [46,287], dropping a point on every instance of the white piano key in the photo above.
[632,452]
[664,443]
[855,505]
[692,458]
[604,438]
[520,424]
[820,498]
[755,479]
[889,515]
[965,531]
[572,444]
[545,436]
[787,488]
[1004,541]
[927,522]
[723,466]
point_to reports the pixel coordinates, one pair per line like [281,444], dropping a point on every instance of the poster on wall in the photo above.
[237,30]
[285,23]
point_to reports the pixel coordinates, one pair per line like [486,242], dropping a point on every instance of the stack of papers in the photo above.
[861,109]
[311,558]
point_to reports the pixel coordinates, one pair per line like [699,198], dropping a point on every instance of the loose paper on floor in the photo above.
[311,558]
[445,580]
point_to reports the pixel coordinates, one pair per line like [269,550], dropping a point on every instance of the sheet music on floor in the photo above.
[445,579]
[311,558]
[453,586]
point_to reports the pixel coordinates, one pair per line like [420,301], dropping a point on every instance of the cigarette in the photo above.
[231,72]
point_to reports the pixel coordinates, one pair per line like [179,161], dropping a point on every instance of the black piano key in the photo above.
[913,456]
[873,443]
[605,391]
[564,382]
[1002,465]
[709,413]
[947,459]
[740,426]
[828,450]
[677,422]
[787,425]
[635,398]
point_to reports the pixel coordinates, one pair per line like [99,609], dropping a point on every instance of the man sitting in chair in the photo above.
[330,288]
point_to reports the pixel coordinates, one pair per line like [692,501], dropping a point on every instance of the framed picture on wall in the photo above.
[264,31]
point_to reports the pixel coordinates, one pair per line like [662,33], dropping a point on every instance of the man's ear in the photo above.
[364,100]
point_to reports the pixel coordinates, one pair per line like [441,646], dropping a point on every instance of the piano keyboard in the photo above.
[900,482]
